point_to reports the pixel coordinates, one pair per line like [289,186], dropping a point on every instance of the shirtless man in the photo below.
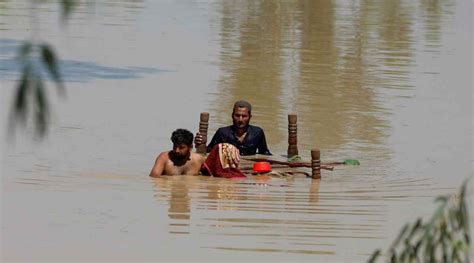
[181,160]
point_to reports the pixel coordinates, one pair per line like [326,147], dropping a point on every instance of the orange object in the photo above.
[261,167]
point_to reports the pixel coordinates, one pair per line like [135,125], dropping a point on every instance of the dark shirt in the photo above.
[255,139]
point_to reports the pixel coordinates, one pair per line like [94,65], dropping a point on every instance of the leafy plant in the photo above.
[294,158]
[351,162]
[31,99]
[444,238]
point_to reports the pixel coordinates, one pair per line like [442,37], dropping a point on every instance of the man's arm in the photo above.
[159,166]
[198,164]
[262,145]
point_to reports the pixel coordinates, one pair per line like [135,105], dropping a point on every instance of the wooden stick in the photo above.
[292,135]
[203,125]
[316,163]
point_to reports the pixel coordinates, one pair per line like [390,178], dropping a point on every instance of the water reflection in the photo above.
[178,198]
[347,68]
[291,215]
[396,42]
[222,195]
[314,191]
[288,57]
[253,212]
[318,101]
[251,62]
[263,228]
[434,14]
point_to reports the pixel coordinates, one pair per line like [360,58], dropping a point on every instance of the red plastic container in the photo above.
[261,167]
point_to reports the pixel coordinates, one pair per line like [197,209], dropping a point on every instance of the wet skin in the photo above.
[179,161]
[241,118]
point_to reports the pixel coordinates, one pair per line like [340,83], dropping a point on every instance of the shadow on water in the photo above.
[71,70]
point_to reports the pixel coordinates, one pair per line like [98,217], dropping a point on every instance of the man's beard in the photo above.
[180,157]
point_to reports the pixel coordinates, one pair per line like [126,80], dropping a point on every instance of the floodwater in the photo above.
[386,82]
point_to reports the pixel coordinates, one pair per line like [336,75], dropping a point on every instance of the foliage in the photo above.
[66,8]
[30,99]
[30,95]
[444,238]
[351,162]
[294,158]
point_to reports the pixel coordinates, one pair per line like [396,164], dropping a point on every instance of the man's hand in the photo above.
[199,139]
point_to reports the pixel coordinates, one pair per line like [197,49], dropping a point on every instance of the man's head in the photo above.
[182,143]
[241,114]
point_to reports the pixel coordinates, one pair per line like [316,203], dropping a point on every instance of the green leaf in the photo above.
[417,246]
[404,254]
[294,158]
[24,50]
[444,238]
[467,239]
[453,220]
[42,111]
[400,235]
[444,246]
[351,162]
[393,258]
[21,96]
[415,227]
[374,256]
[51,63]
[454,255]
[67,7]
[442,199]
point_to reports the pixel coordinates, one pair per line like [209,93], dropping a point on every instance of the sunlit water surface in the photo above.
[386,82]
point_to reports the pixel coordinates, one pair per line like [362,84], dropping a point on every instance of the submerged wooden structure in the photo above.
[292,135]
[278,166]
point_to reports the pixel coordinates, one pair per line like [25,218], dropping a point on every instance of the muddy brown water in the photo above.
[386,82]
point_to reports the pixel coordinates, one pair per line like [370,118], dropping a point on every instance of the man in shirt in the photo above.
[247,138]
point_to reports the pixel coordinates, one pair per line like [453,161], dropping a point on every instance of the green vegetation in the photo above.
[351,162]
[294,158]
[444,238]
[30,91]
[30,101]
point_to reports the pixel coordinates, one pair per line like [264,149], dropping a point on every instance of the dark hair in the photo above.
[242,104]
[182,136]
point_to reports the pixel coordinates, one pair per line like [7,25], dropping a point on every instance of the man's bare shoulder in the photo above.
[159,168]
[163,156]
[198,157]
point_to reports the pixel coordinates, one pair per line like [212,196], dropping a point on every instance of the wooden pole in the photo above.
[316,163]
[292,135]
[203,125]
